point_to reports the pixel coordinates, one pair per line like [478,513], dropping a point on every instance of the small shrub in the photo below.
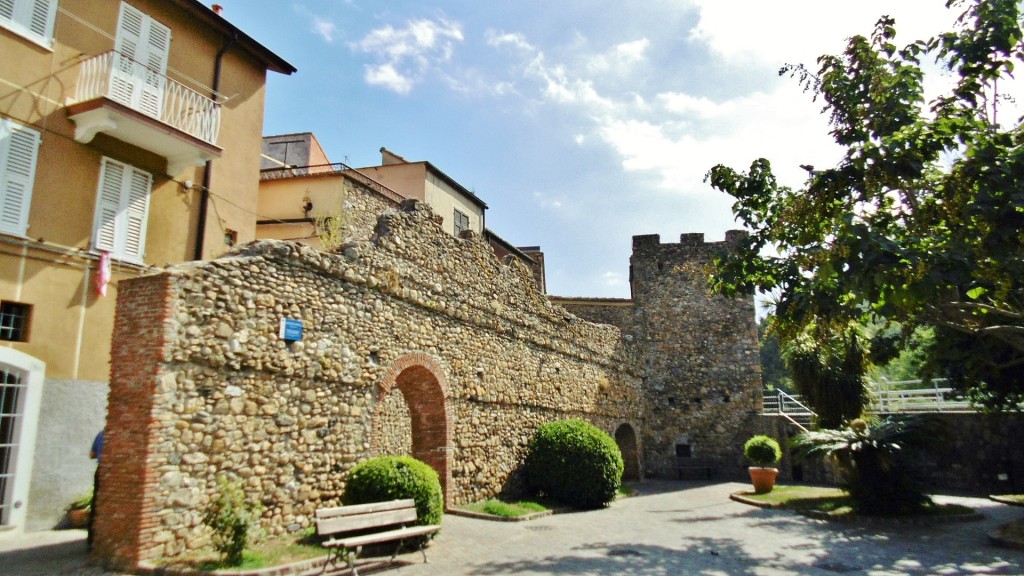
[574,462]
[873,457]
[82,502]
[233,519]
[395,478]
[762,450]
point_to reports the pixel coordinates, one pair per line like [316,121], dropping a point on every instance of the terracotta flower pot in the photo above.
[78,517]
[763,479]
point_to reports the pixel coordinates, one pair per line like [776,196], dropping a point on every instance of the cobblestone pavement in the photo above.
[669,528]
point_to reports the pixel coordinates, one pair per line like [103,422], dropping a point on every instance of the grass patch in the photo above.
[802,498]
[1015,499]
[496,507]
[837,503]
[262,555]
[626,491]
[1014,531]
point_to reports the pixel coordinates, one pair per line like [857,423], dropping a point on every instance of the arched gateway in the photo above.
[625,437]
[423,385]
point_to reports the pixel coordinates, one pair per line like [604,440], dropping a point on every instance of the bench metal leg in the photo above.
[352,560]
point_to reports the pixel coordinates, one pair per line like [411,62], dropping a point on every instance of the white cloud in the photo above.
[385,75]
[545,202]
[407,54]
[613,279]
[800,30]
[498,39]
[620,57]
[325,28]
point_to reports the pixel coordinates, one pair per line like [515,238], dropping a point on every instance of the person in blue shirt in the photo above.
[94,453]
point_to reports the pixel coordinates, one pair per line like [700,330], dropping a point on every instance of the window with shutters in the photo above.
[19,146]
[461,222]
[32,19]
[139,77]
[122,208]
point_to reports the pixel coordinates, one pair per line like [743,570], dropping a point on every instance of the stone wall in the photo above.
[979,454]
[615,311]
[412,340]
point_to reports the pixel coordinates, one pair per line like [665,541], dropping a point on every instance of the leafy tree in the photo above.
[921,223]
[829,373]
[774,374]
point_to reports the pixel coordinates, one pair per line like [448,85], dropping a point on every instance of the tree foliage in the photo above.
[921,223]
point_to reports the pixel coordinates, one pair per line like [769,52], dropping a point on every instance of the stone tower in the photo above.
[699,353]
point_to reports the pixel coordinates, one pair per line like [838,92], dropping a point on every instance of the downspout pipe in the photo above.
[204,190]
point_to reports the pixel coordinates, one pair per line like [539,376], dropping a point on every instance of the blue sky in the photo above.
[581,124]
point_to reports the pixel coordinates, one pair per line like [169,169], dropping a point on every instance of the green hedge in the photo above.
[395,478]
[574,462]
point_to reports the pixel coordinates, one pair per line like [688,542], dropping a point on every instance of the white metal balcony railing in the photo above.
[133,84]
[885,398]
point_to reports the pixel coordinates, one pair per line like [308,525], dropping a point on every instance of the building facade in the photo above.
[119,153]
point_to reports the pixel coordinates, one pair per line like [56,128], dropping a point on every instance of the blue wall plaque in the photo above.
[291,329]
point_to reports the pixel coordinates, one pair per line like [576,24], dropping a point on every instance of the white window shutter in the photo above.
[139,186]
[129,30]
[122,209]
[145,44]
[30,18]
[108,206]
[7,10]
[19,148]
[42,17]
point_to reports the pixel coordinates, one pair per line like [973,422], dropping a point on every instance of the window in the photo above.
[461,222]
[14,321]
[122,209]
[18,148]
[142,45]
[32,19]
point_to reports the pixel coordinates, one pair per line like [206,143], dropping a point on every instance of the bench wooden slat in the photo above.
[384,516]
[365,539]
[322,513]
[361,521]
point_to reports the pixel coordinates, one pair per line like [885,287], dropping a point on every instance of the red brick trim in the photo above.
[424,385]
[126,521]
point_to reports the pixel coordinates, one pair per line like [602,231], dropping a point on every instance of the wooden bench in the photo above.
[688,464]
[352,527]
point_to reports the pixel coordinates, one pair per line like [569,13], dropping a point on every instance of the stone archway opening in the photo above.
[413,416]
[625,437]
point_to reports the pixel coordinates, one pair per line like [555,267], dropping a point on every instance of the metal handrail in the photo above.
[133,84]
[884,400]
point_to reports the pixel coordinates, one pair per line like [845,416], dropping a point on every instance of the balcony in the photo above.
[133,103]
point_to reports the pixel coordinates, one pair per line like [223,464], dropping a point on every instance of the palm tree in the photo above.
[873,460]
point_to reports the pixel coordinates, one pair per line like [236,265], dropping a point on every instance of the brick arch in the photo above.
[423,384]
[626,438]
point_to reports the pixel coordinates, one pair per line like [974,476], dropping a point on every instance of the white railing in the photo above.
[895,397]
[133,84]
[885,398]
[788,406]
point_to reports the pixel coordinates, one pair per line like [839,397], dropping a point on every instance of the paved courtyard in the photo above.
[669,528]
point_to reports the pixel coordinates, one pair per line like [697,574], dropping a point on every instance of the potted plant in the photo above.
[762,451]
[79,510]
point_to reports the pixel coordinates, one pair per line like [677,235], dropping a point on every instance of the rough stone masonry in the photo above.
[413,341]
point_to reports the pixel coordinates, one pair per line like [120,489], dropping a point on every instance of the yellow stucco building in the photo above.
[130,136]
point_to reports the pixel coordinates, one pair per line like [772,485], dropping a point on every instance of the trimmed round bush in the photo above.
[762,450]
[575,463]
[394,478]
